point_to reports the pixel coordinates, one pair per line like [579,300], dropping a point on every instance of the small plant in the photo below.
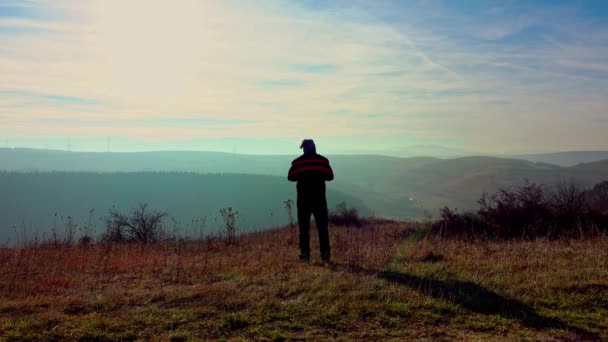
[70,230]
[54,231]
[88,229]
[229,216]
[199,227]
[289,207]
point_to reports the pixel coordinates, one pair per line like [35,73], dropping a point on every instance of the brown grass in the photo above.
[101,279]
[387,282]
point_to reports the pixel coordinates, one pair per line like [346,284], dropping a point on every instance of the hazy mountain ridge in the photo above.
[567,158]
[460,182]
[389,186]
[355,174]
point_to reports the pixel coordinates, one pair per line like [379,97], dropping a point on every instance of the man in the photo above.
[311,170]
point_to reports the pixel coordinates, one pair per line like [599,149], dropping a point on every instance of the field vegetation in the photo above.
[388,280]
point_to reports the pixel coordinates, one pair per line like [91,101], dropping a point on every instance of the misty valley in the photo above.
[45,191]
[46,201]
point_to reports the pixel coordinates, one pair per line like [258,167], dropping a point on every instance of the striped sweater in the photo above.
[310,170]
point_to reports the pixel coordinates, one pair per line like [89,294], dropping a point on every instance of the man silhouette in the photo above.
[310,171]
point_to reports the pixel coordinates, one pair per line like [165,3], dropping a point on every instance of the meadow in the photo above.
[388,280]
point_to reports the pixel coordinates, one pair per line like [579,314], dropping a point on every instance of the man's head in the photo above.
[308,145]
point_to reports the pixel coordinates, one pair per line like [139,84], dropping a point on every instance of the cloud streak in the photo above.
[361,71]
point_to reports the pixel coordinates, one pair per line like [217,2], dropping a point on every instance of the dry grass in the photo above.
[550,286]
[387,282]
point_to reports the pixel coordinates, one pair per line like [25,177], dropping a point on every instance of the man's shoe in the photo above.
[326,258]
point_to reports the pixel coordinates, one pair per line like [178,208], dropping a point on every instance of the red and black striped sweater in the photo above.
[310,170]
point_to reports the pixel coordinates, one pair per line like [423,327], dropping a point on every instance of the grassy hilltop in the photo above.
[388,281]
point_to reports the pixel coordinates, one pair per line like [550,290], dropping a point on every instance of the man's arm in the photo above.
[291,175]
[329,173]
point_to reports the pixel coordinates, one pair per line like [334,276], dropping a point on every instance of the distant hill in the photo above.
[359,168]
[588,173]
[357,175]
[388,186]
[460,182]
[30,200]
[565,158]
[22,159]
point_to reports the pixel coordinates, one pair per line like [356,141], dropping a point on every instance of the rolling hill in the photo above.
[569,158]
[460,182]
[388,186]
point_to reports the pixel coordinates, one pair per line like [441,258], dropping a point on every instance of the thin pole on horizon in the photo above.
[234,152]
[108,144]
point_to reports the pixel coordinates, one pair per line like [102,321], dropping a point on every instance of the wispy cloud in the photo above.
[476,75]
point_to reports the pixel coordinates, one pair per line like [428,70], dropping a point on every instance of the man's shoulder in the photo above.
[311,157]
[322,157]
[297,159]
[318,156]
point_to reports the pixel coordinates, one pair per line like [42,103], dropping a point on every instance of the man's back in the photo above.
[310,170]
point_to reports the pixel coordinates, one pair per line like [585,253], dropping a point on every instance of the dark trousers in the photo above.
[317,207]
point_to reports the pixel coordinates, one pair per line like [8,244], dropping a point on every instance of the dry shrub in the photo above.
[529,211]
[229,216]
[143,225]
[597,199]
[345,216]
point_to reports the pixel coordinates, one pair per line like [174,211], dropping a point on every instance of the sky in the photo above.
[358,76]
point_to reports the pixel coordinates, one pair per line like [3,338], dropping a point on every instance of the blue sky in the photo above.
[361,76]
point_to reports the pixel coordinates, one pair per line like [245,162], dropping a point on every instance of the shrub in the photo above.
[513,213]
[597,198]
[344,216]
[529,211]
[141,226]
[85,240]
[465,224]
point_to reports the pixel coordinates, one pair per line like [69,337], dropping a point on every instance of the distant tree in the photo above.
[142,225]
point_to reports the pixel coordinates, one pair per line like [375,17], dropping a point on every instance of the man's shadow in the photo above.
[476,298]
